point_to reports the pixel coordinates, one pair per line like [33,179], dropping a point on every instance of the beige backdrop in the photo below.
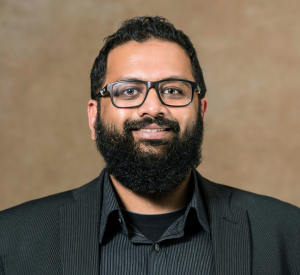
[250,54]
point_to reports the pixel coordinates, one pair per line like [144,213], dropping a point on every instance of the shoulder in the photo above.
[262,210]
[267,213]
[273,225]
[35,207]
[31,224]
[43,210]
[36,224]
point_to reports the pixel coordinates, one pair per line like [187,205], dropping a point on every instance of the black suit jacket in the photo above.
[251,234]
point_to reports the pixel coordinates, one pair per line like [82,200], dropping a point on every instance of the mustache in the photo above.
[130,125]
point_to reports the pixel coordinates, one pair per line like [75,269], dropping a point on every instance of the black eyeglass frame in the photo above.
[149,85]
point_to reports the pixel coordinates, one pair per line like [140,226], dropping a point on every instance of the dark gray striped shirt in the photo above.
[184,248]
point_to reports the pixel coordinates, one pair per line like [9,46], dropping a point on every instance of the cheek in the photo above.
[186,115]
[112,115]
[188,118]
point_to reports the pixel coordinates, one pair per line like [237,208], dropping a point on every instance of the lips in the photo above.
[152,130]
[152,126]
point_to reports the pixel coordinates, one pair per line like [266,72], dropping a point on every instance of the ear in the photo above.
[204,105]
[92,115]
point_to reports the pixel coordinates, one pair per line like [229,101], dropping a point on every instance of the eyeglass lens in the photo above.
[173,92]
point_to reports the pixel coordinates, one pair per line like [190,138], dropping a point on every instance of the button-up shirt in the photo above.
[184,248]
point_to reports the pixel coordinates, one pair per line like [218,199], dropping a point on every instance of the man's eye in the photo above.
[171,91]
[130,92]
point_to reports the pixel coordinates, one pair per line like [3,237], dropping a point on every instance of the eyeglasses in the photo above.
[133,93]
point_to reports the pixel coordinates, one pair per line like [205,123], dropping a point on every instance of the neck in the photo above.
[146,204]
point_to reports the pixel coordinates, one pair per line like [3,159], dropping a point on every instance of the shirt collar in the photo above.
[110,204]
[198,204]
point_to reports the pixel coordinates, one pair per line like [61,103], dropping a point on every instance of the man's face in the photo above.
[149,61]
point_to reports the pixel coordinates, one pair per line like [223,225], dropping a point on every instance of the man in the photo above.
[149,211]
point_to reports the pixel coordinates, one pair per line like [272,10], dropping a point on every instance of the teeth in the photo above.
[152,130]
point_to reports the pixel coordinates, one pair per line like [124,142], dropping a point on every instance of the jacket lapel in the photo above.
[79,231]
[230,231]
[231,240]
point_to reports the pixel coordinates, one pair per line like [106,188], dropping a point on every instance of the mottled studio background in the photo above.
[250,54]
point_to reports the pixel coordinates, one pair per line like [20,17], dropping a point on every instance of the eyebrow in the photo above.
[123,78]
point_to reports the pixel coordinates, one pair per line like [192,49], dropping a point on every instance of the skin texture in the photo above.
[149,61]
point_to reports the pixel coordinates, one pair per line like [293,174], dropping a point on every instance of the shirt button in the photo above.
[156,247]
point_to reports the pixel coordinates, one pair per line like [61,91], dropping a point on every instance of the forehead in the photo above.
[151,60]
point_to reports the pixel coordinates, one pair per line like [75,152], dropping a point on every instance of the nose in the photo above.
[152,106]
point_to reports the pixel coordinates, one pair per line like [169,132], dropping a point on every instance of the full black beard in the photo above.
[160,168]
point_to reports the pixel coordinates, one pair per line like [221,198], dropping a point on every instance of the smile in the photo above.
[152,130]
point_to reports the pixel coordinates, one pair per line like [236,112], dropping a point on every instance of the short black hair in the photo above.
[141,29]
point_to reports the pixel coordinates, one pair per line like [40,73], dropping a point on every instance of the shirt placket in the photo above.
[157,260]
